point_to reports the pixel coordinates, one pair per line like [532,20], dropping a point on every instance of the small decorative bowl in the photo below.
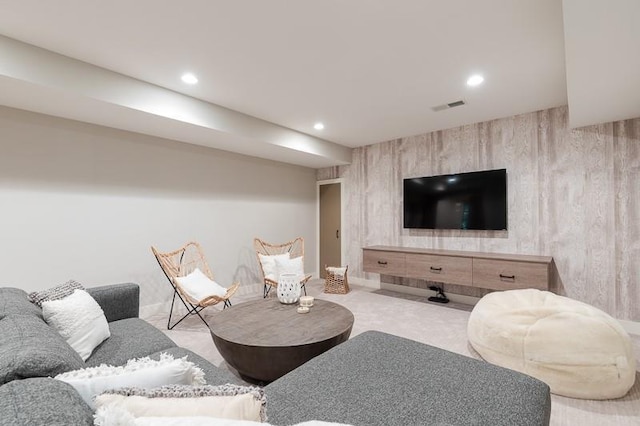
[303,309]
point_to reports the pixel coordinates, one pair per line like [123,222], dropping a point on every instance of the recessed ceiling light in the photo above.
[189,78]
[318,126]
[475,80]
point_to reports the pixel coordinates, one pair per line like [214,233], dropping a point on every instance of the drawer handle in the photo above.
[508,277]
[380,262]
[435,269]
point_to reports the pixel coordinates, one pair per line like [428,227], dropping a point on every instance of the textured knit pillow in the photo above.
[79,320]
[55,293]
[142,372]
[225,402]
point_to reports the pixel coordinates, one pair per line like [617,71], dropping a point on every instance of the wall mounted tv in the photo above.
[476,201]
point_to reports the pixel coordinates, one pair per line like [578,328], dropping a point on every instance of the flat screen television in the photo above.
[476,201]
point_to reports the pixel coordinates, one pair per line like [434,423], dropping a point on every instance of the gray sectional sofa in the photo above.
[372,379]
[30,351]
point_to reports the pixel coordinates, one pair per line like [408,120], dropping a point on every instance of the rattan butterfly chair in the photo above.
[180,263]
[294,248]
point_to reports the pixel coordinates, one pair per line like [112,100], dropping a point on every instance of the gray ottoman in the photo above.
[380,379]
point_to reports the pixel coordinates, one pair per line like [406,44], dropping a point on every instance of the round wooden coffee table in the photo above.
[265,339]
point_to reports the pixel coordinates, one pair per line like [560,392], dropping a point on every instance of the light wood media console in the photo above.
[494,271]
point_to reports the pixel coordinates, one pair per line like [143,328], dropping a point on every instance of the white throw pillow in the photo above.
[291,266]
[79,320]
[142,372]
[269,266]
[198,286]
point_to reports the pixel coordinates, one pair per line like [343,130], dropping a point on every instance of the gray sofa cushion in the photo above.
[130,338]
[213,375]
[42,401]
[30,348]
[380,379]
[15,301]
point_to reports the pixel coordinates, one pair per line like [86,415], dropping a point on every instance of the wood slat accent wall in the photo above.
[573,194]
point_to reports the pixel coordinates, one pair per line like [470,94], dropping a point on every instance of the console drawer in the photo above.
[509,275]
[442,269]
[384,262]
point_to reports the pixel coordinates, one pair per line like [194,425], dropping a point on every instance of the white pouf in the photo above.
[578,350]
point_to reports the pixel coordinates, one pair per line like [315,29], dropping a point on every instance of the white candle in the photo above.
[306,301]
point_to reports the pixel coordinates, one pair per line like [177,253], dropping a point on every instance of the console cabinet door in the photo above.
[384,262]
[442,269]
[509,275]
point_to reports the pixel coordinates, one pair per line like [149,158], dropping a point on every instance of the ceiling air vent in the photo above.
[448,106]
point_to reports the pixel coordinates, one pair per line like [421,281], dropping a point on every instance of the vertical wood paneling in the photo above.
[572,194]
[626,150]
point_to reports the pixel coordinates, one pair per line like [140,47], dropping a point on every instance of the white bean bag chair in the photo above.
[578,350]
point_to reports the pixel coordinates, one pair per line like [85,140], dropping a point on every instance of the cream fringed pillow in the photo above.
[142,372]
[223,402]
[212,421]
[123,418]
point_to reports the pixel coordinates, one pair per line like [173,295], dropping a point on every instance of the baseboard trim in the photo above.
[249,289]
[631,327]
[148,311]
[364,282]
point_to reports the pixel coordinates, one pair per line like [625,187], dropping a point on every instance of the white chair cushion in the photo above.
[269,265]
[577,349]
[198,286]
[290,266]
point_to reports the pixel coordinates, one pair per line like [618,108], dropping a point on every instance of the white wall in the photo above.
[86,202]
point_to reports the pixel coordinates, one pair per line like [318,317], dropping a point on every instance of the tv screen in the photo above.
[476,200]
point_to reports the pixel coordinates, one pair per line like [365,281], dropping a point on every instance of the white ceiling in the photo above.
[370,70]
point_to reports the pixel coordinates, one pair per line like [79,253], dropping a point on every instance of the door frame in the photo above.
[342,198]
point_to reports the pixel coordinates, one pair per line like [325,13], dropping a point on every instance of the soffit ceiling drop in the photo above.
[370,70]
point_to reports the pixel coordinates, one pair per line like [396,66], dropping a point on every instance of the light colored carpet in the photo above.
[412,317]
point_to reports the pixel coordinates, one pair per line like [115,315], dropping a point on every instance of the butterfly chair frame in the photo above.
[295,248]
[180,263]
